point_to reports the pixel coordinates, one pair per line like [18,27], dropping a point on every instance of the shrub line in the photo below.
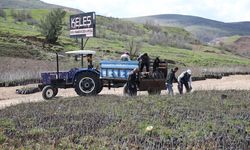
[19,82]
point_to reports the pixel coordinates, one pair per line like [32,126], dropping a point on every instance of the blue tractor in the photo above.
[90,81]
[85,81]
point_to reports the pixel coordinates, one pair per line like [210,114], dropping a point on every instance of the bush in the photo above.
[51,25]
[158,38]
[21,15]
[125,28]
[150,25]
[31,21]
[2,13]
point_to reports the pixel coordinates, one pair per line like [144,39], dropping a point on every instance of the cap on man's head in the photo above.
[189,71]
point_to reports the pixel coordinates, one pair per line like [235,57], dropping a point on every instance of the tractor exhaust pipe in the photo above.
[57,66]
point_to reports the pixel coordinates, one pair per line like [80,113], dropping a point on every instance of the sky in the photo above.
[220,10]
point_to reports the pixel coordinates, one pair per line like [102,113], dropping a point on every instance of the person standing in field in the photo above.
[130,87]
[156,64]
[144,60]
[185,79]
[170,79]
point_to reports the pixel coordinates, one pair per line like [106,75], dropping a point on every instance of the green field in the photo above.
[201,120]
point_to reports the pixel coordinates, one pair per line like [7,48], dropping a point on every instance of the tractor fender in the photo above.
[96,72]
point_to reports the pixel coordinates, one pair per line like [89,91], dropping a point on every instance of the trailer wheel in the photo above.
[130,89]
[154,91]
[49,92]
[87,84]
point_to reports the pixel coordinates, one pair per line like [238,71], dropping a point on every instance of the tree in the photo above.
[51,26]
[134,48]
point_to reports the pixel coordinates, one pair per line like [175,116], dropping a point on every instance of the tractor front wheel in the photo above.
[49,92]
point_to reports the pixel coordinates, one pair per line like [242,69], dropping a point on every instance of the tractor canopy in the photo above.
[81,52]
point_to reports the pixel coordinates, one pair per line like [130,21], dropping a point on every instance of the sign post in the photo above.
[83,26]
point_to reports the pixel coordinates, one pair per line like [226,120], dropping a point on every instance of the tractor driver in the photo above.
[89,60]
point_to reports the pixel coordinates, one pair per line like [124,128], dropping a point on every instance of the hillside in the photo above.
[114,36]
[26,4]
[31,4]
[203,29]
[239,45]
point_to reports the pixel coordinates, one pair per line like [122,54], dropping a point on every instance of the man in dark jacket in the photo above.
[156,64]
[130,87]
[170,79]
[185,79]
[144,60]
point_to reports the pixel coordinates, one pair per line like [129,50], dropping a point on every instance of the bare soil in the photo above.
[8,96]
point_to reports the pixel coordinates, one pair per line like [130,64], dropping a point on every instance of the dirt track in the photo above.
[239,82]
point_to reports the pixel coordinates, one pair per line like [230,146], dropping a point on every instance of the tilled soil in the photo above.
[8,96]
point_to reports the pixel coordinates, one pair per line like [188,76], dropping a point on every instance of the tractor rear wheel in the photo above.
[49,92]
[87,84]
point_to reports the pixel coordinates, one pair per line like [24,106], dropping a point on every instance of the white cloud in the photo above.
[222,10]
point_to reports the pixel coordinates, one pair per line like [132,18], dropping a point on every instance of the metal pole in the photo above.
[82,54]
[85,43]
[81,43]
[57,66]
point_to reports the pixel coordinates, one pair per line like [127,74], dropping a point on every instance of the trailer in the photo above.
[116,74]
[112,74]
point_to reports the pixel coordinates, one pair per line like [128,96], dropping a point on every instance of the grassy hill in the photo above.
[239,45]
[204,29]
[114,36]
[26,4]
[31,4]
